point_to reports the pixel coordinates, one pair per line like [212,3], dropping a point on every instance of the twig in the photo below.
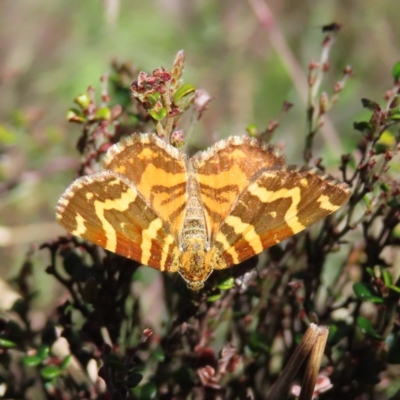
[268,22]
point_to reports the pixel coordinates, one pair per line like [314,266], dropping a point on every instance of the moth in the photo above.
[155,205]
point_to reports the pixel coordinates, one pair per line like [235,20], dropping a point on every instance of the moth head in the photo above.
[194,267]
[194,282]
[195,285]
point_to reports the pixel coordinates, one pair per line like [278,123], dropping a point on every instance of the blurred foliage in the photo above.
[97,323]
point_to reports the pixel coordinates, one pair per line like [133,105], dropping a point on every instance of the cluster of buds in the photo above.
[164,97]
[151,92]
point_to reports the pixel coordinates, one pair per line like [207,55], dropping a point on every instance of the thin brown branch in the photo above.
[278,41]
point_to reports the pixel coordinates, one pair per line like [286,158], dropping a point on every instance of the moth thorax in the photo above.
[194,224]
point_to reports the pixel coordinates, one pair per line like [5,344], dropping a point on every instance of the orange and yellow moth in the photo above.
[155,205]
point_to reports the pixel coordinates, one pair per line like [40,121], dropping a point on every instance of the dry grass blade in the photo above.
[313,365]
[301,353]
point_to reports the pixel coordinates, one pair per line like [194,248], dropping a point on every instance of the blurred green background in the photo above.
[52,51]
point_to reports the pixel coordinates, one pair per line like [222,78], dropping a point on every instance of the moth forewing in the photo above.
[106,208]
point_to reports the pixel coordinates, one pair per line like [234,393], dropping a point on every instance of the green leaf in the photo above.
[396,71]
[370,271]
[371,105]
[396,231]
[387,278]
[252,130]
[365,325]
[137,276]
[159,354]
[298,337]
[394,288]
[257,342]
[384,187]
[363,126]
[31,361]
[66,362]
[183,91]
[160,115]
[43,352]
[148,391]
[20,307]
[367,200]
[387,139]
[363,293]
[185,102]
[134,380]
[226,284]
[8,344]
[153,98]
[133,119]
[103,113]
[50,372]
[337,332]
[394,117]
[83,100]
[394,202]
[214,297]
[380,148]
[367,328]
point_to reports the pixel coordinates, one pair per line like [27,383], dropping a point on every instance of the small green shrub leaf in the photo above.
[396,71]
[31,361]
[394,288]
[363,292]
[363,126]
[257,342]
[153,98]
[252,130]
[43,352]
[371,105]
[214,297]
[8,344]
[134,380]
[66,362]
[367,328]
[83,100]
[387,278]
[50,372]
[226,284]
[103,113]
[159,115]
[183,91]
[148,391]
